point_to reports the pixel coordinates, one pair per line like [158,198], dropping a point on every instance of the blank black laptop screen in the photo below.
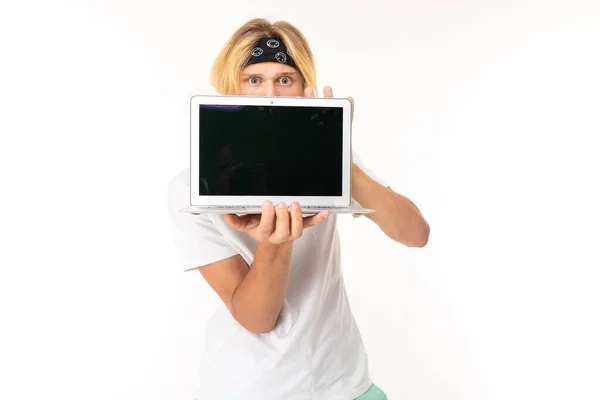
[270,151]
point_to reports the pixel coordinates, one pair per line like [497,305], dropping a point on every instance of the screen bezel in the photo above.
[211,200]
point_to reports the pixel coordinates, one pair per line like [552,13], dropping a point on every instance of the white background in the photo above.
[486,114]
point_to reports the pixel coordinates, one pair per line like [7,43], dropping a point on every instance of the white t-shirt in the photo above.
[315,350]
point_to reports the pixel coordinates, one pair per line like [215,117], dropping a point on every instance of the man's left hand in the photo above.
[328,92]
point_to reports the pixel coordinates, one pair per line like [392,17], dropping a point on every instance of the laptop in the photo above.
[245,150]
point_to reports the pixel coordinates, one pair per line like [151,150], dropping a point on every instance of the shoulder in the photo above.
[178,197]
[179,183]
[182,178]
[178,191]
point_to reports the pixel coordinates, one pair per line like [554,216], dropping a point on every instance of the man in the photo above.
[285,329]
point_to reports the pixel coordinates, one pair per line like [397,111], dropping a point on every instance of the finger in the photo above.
[233,220]
[242,223]
[265,227]
[252,221]
[282,225]
[315,219]
[310,92]
[328,91]
[297,223]
[352,102]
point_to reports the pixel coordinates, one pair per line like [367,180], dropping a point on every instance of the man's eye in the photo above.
[253,80]
[285,80]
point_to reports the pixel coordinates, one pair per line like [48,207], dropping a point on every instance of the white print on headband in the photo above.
[280,57]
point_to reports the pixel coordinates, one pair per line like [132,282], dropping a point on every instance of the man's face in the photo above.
[270,79]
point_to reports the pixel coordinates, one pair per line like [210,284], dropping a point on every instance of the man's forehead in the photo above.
[265,70]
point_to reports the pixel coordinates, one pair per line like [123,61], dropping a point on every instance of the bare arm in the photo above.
[258,299]
[397,216]
[255,296]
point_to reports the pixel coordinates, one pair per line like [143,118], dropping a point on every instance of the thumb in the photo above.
[315,219]
[243,223]
[232,220]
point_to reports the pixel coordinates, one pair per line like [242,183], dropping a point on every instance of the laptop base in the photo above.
[258,210]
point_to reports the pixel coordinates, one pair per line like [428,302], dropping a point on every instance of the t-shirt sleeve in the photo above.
[196,238]
[356,159]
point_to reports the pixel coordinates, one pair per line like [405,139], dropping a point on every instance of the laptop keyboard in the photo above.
[305,207]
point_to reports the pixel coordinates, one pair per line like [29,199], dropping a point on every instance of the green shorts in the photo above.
[374,393]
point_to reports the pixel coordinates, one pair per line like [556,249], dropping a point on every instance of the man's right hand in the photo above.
[276,224]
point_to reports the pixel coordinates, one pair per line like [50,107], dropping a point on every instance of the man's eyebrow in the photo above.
[278,74]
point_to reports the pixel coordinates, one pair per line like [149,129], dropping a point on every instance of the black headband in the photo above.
[270,50]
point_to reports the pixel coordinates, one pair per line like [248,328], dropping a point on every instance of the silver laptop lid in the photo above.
[246,149]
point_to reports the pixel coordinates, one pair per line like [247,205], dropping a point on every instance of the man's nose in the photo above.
[270,89]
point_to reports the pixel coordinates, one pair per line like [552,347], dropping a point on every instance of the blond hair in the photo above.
[225,72]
